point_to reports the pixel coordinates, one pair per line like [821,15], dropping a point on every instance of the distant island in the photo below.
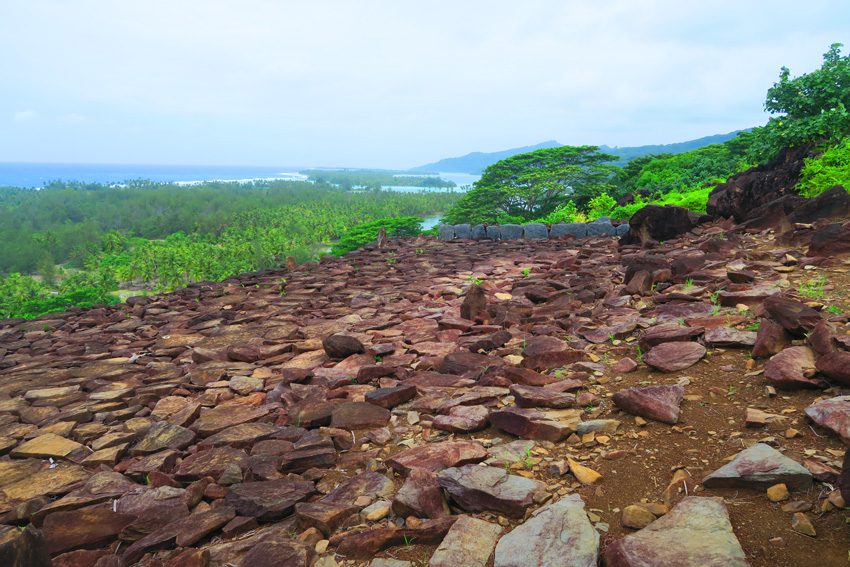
[477,162]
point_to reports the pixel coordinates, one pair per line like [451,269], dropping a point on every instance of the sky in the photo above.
[390,84]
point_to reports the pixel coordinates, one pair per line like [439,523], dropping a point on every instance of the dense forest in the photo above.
[87,241]
[374,179]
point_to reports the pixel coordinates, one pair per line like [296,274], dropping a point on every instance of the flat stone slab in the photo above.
[659,403]
[557,534]
[268,500]
[463,419]
[760,466]
[46,446]
[479,488]
[438,456]
[470,543]
[792,368]
[696,533]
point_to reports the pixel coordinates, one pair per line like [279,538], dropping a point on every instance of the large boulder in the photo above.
[535,230]
[463,231]
[601,227]
[577,229]
[655,223]
[446,232]
[510,232]
[831,240]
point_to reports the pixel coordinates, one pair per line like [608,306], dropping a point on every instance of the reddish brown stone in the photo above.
[659,403]
[437,456]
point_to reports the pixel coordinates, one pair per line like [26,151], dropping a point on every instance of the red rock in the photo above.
[659,403]
[87,527]
[484,489]
[654,223]
[668,333]
[771,338]
[463,419]
[359,415]
[833,414]
[820,339]
[391,397]
[532,396]
[421,496]
[268,500]
[23,548]
[670,357]
[213,462]
[795,317]
[830,241]
[527,376]
[342,346]
[835,366]
[437,456]
[313,450]
[624,366]
[474,306]
[366,544]
[324,516]
[369,483]
[792,368]
[726,337]
[462,362]
[536,424]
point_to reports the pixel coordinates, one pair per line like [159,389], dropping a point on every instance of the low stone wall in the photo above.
[599,227]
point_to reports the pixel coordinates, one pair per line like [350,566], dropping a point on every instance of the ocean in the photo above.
[33,175]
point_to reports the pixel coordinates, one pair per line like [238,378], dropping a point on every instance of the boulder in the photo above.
[474,305]
[601,227]
[446,232]
[795,316]
[510,232]
[463,231]
[480,489]
[771,338]
[654,223]
[576,229]
[340,346]
[494,232]
[535,396]
[829,241]
[371,484]
[695,533]
[359,415]
[23,548]
[479,232]
[557,534]
[760,466]
[659,403]
[835,366]
[729,337]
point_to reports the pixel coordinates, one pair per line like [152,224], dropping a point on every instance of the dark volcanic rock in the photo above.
[660,403]
[480,489]
[670,357]
[831,240]
[654,223]
[557,534]
[696,533]
[342,346]
[760,466]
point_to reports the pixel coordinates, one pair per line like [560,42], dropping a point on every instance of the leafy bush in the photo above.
[366,233]
[600,206]
[564,213]
[829,169]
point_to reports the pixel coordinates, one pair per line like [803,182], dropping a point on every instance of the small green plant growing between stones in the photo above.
[639,354]
[473,280]
[835,310]
[526,461]
[525,272]
[688,285]
[408,541]
[281,287]
[753,326]
[379,358]
[730,391]
[391,261]
[813,288]
[420,250]
[588,408]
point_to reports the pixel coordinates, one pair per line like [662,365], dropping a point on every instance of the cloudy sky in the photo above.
[386,83]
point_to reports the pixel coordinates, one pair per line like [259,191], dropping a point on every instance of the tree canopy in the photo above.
[532,185]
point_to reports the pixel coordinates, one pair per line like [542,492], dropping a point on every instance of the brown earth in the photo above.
[213,357]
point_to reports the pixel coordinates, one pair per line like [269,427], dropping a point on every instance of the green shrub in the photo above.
[600,206]
[363,234]
[829,169]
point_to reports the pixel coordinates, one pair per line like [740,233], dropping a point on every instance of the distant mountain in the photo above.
[476,162]
[628,154]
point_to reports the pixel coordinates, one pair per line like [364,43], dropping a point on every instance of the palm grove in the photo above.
[163,236]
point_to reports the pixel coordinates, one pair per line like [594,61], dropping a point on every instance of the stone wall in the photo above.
[599,227]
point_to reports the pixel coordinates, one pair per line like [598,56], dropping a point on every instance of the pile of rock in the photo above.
[600,227]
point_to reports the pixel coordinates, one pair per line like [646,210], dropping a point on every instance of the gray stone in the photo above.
[382,562]
[479,232]
[833,414]
[577,229]
[622,229]
[470,543]
[760,466]
[463,231]
[696,533]
[510,232]
[557,534]
[446,232]
[601,227]
[476,489]
[535,230]
[494,232]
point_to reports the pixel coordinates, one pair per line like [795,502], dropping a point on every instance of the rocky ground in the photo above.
[561,402]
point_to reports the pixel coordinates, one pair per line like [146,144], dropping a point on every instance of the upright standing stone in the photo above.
[446,232]
[511,232]
[535,230]
[463,231]
[557,534]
